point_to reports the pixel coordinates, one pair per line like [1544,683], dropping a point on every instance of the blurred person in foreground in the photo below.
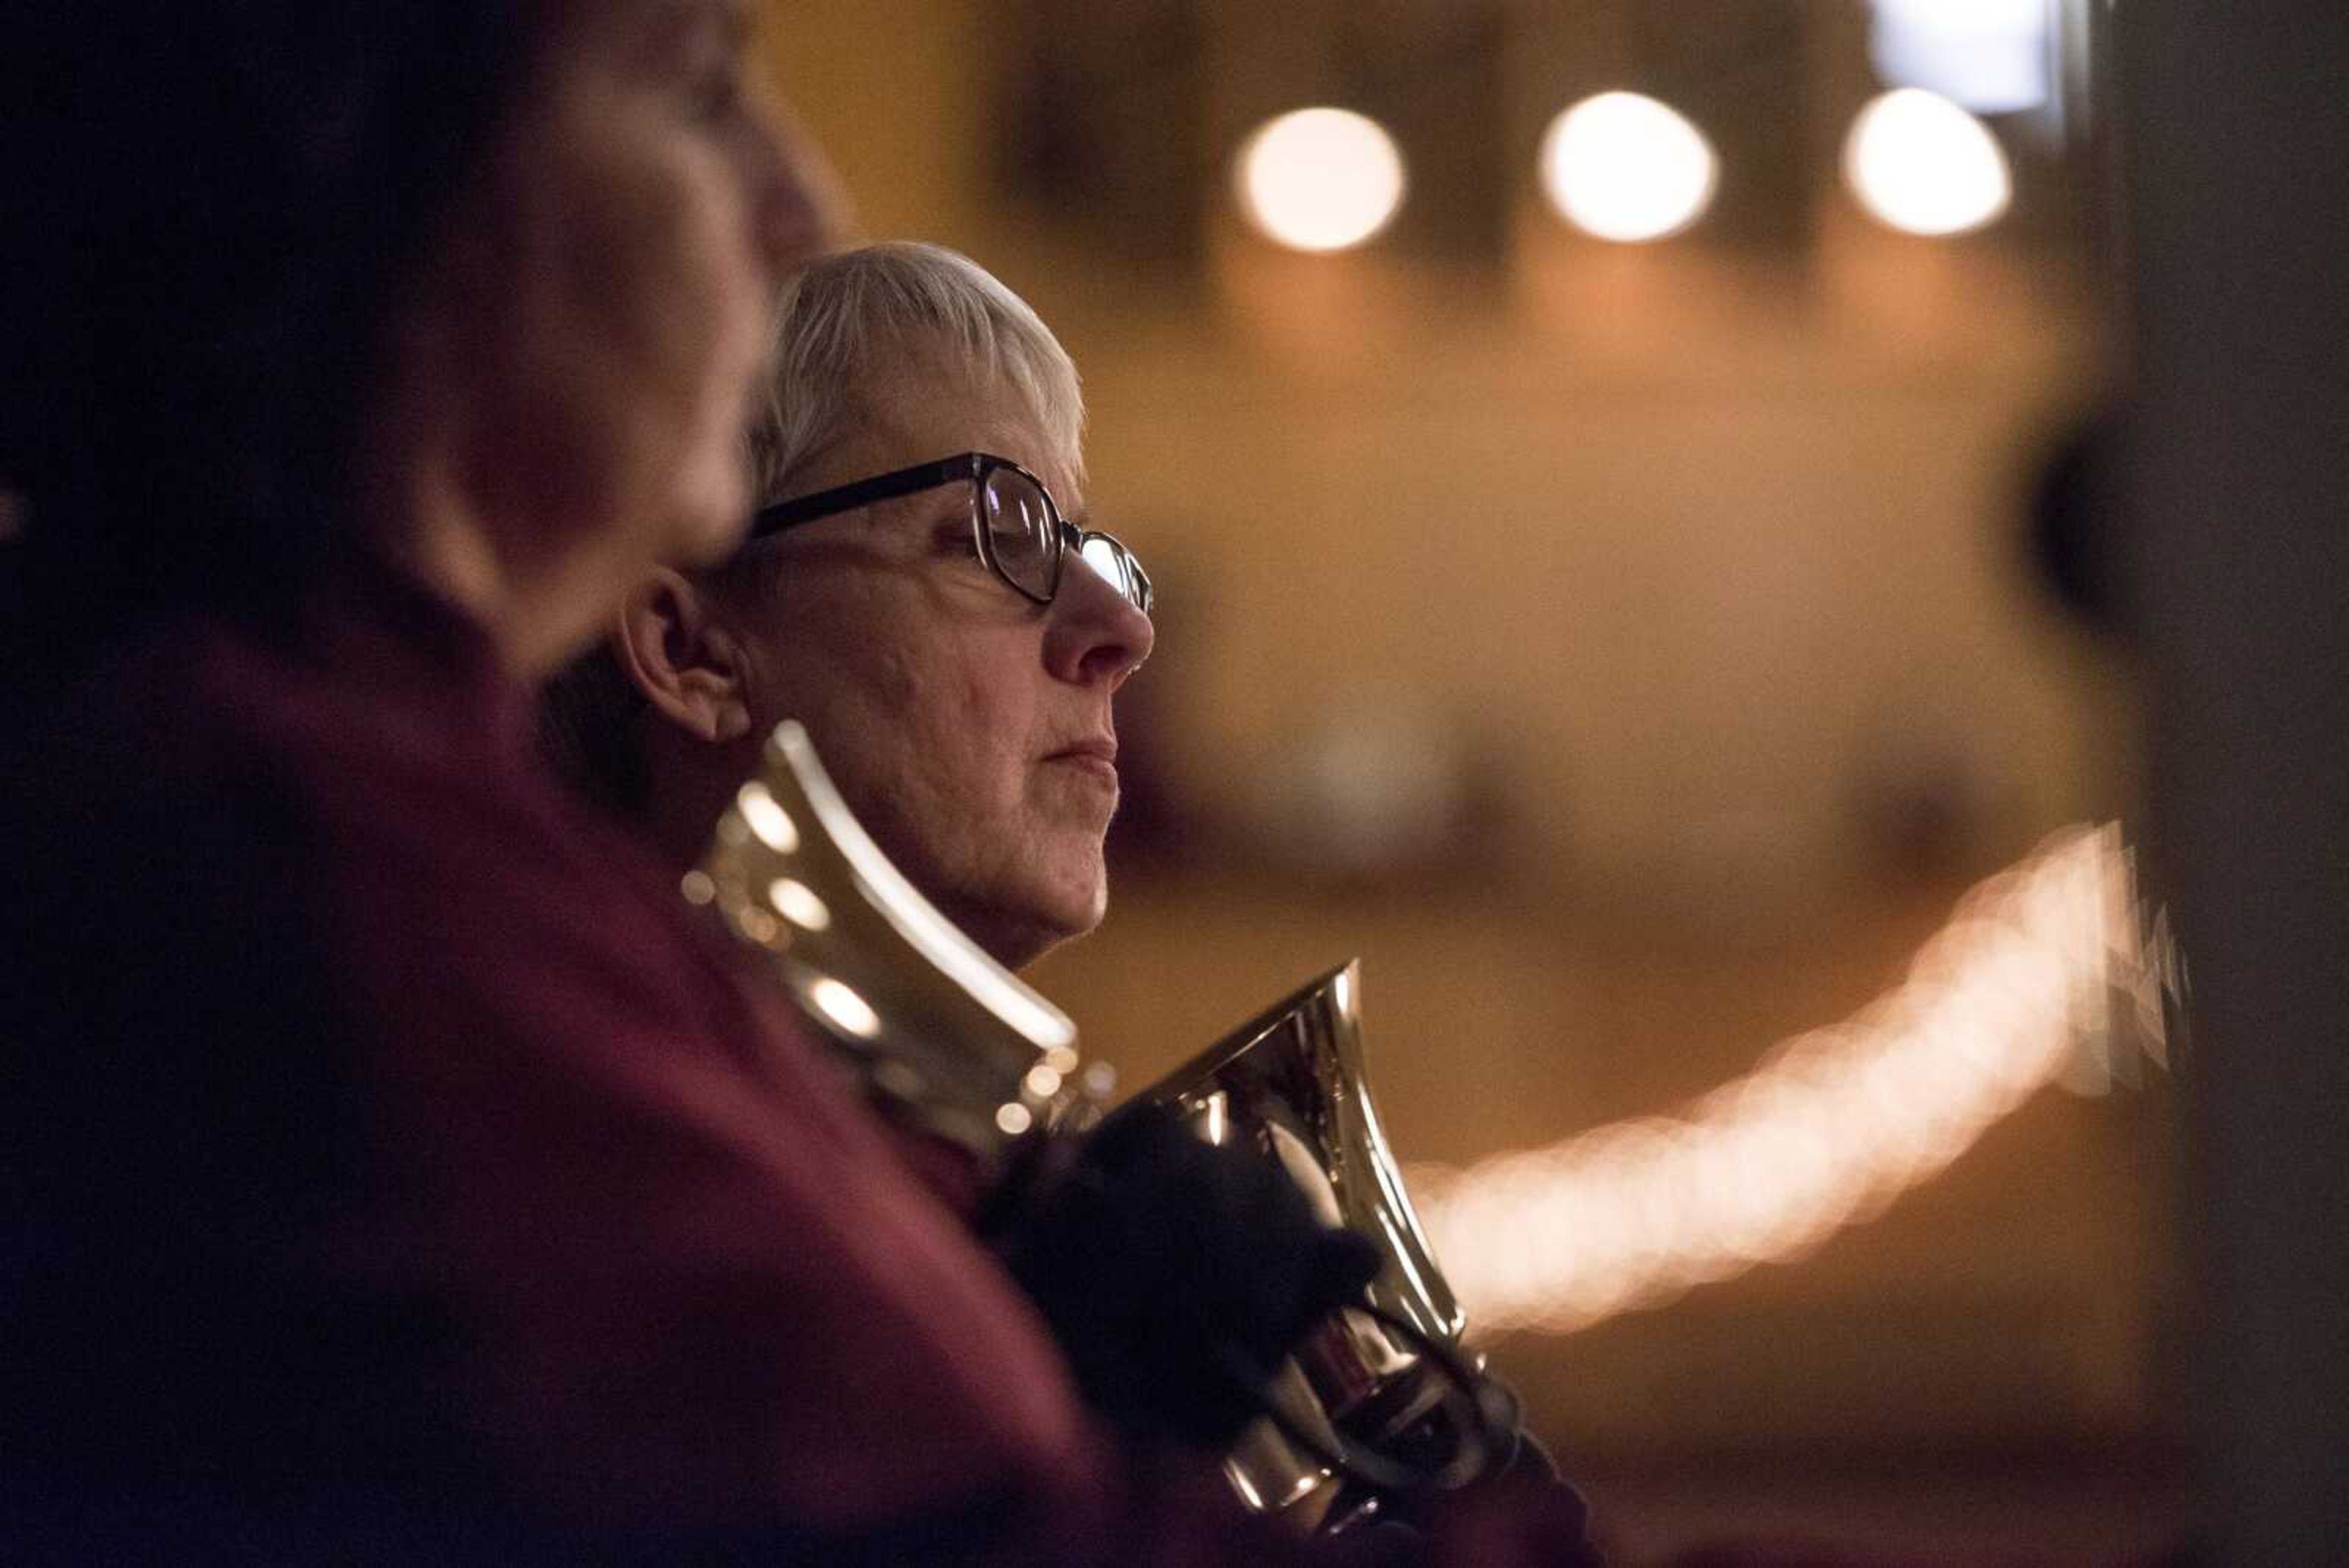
[393,1171]
[925,592]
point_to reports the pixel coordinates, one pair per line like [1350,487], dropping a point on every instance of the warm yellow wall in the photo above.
[1694,549]
[1700,550]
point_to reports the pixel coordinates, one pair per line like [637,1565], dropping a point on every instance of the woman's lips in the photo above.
[1096,759]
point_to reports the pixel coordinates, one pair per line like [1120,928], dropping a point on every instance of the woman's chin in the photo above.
[1016,940]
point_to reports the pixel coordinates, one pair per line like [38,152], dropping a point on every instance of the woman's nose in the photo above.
[1093,632]
[799,209]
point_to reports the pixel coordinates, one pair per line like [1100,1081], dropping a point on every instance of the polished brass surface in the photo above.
[1375,1401]
[943,1036]
[1290,1082]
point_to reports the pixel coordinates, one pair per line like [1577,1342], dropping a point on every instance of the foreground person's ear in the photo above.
[681,654]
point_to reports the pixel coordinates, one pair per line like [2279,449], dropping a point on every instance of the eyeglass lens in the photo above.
[1118,568]
[1024,536]
[1019,530]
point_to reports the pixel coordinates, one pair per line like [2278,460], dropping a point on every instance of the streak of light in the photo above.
[2035,964]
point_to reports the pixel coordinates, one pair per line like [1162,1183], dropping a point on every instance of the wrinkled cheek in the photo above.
[1062,837]
[1079,883]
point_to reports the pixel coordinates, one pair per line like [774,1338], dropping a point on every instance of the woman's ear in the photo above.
[683,657]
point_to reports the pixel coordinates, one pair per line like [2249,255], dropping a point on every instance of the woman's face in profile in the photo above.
[970,730]
[608,281]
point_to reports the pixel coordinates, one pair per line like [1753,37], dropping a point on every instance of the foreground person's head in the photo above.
[953,657]
[470,288]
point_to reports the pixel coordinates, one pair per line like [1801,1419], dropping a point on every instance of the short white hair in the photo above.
[848,321]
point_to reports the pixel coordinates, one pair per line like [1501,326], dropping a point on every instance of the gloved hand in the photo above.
[1176,1273]
[1524,1511]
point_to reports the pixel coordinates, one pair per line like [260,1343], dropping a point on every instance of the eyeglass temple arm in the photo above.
[863,493]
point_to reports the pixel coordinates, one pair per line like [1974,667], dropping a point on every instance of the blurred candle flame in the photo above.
[2036,973]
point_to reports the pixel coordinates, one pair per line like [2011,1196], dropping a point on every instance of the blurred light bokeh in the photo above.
[1635,653]
[1623,166]
[1922,164]
[1320,179]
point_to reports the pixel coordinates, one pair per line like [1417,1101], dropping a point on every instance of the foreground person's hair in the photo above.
[214,213]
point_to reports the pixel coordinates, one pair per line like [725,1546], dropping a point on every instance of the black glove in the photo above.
[1522,1510]
[1176,1273]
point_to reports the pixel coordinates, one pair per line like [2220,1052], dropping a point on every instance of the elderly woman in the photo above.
[394,1172]
[923,592]
[954,642]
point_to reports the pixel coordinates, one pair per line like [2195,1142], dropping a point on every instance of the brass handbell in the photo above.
[941,1035]
[1380,1401]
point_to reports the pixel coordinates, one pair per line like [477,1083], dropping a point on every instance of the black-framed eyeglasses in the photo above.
[1014,521]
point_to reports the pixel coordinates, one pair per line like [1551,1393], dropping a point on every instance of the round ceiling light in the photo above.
[1320,179]
[1923,165]
[1625,167]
